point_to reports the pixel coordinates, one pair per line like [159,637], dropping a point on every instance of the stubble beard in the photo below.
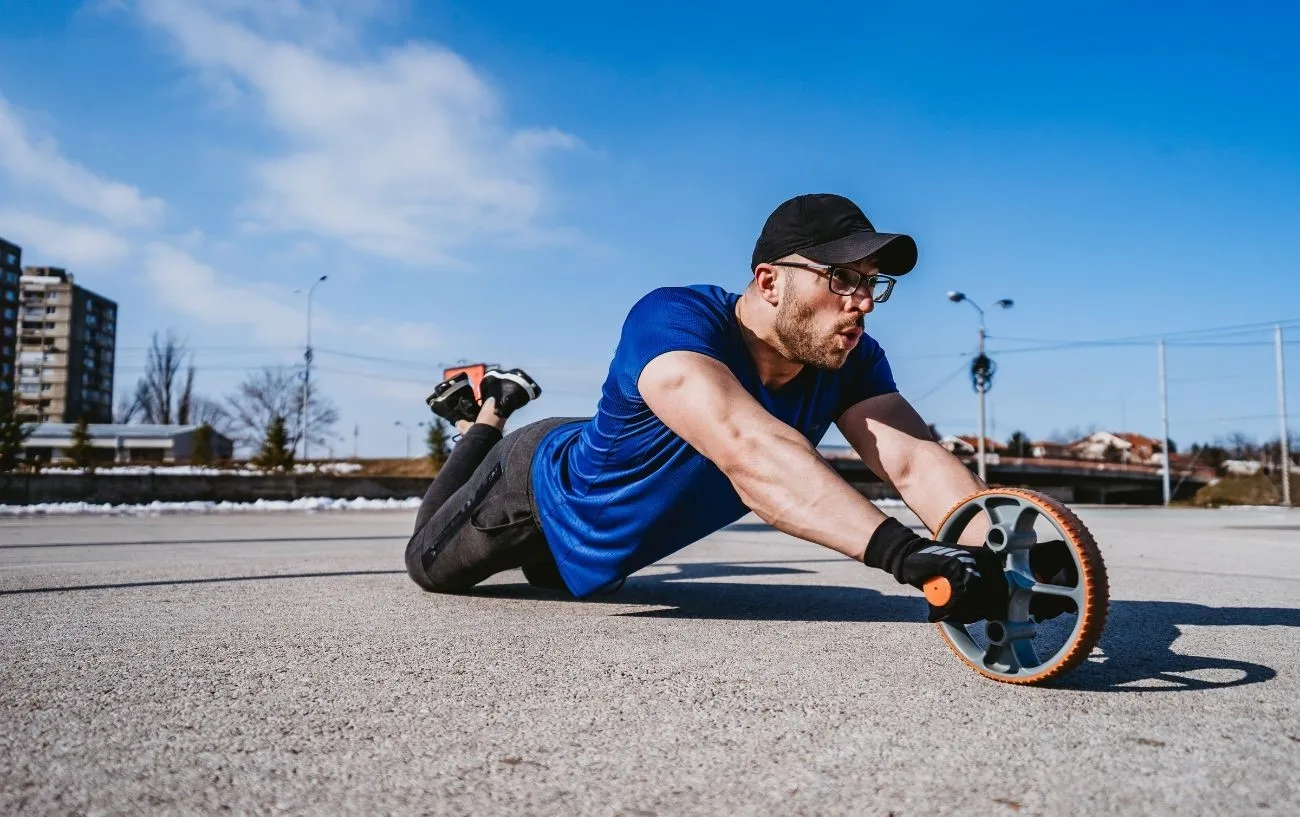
[794,329]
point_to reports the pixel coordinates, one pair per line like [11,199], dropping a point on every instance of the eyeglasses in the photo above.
[846,281]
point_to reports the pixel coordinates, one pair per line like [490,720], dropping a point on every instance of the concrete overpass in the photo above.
[1067,480]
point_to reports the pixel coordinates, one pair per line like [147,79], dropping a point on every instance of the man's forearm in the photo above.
[933,482]
[788,485]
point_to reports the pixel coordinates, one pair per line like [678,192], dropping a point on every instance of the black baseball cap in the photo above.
[830,229]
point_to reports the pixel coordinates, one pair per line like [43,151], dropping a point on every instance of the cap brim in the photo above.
[895,253]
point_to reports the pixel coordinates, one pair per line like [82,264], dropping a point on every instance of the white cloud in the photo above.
[62,245]
[35,163]
[406,156]
[268,313]
[192,288]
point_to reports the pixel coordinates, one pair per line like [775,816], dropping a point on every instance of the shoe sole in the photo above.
[521,380]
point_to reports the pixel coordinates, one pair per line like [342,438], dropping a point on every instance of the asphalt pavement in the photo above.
[285,664]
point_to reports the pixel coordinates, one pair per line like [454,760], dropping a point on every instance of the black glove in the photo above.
[979,588]
[1052,563]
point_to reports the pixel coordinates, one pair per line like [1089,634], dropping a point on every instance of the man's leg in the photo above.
[480,427]
[476,441]
[463,484]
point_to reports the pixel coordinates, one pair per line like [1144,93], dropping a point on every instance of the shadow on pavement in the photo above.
[215,580]
[691,598]
[1136,651]
[208,541]
[1137,647]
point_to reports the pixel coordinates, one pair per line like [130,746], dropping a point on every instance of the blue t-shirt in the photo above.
[621,490]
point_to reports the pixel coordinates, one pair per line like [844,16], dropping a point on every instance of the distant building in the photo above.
[1047,449]
[963,444]
[123,444]
[1125,447]
[11,257]
[66,343]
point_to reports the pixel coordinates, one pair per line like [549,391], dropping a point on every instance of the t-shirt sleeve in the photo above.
[667,320]
[867,375]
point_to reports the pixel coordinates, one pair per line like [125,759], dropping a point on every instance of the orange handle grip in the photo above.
[937,591]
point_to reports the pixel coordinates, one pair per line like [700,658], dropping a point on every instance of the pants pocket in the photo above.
[501,512]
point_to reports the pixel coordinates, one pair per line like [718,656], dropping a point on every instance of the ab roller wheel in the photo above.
[1018,649]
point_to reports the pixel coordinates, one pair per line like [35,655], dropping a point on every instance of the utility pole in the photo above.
[1164,420]
[304,416]
[1281,413]
[981,372]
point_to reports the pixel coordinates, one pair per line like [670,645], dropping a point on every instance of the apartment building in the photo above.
[11,256]
[66,344]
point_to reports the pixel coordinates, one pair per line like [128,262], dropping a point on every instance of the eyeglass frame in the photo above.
[825,271]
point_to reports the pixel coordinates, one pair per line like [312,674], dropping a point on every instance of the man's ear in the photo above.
[768,282]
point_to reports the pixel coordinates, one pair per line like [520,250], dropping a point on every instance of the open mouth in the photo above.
[849,337]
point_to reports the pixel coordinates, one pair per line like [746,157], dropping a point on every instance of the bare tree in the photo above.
[155,390]
[186,401]
[209,412]
[273,392]
[163,396]
[128,408]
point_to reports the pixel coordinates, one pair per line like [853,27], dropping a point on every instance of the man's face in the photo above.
[816,326]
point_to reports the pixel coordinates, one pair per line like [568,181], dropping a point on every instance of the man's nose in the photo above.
[861,301]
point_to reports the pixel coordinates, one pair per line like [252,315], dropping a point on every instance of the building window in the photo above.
[9,314]
[50,310]
[10,296]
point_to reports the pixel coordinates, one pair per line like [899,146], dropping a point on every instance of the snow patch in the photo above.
[204,470]
[307,504]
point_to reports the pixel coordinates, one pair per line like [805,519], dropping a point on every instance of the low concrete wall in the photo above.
[118,489]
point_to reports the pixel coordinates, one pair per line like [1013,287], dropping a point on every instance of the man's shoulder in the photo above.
[703,296]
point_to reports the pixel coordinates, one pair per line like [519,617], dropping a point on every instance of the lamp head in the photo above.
[1005,303]
[956,297]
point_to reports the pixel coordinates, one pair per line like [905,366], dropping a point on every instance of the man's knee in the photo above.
[419,566]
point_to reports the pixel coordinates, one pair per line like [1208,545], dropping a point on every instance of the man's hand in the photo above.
[979,588]
[1052,563]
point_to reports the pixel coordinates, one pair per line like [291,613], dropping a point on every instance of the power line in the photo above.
[945,381]
[1243,328]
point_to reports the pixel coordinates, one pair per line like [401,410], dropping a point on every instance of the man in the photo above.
[713,406]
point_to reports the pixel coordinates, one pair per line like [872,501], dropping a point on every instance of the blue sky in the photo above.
[502,181]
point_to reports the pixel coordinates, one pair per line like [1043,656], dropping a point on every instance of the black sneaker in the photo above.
[511,389]
[453,399]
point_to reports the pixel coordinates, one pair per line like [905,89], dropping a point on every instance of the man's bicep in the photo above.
[701,401]
[885,431]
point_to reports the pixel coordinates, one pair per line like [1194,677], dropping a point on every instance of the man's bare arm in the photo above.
[775,470]
[895,443]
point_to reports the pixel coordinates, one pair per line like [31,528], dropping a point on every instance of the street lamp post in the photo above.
[981,370]
[303,414]
[408,427]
